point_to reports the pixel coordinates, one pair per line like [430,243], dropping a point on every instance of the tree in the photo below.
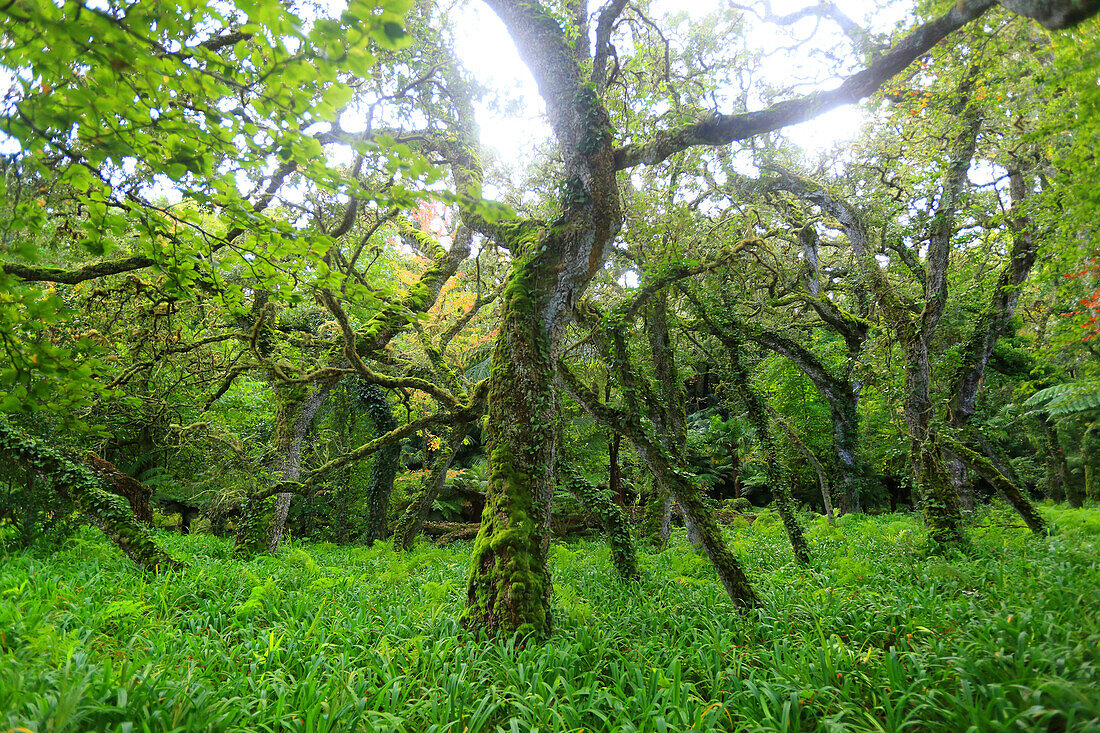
[234,109]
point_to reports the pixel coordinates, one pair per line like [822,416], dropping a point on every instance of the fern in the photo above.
[1071,398]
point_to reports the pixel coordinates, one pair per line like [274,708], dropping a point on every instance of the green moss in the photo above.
[508,583]
[254,527]
[939,502]
[109,512]
[385,464]
[612,517]
[508,587]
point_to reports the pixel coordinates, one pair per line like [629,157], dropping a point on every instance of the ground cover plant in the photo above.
[875,635]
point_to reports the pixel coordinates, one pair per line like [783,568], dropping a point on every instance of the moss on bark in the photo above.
[408,526]
[758,417]
[109,512]
[385,464]
[509,584]
[939,501]
[612,517]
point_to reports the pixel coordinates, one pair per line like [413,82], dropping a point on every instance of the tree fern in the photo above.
[1071,398]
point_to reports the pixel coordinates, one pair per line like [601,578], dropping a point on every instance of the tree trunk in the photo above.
[758,418]
[384,467]
[1056,470]
[109,512]
[725,563]
[938,499]
[1075,494]
[1007,488]
[656,513]
[671,414]
[658,462]
[261,524]
[960,479]
[615,473]
[845,419]
[611,516]
[408,527]
[508,590]
[135,492]
[990,326]
[1090,449]
[614,441]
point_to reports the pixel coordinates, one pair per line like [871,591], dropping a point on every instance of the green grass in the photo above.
[877,636]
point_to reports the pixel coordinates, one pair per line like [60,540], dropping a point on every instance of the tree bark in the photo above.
[509,585]
[386,462]
[991,325]
[670,414]
[660,465]
[1007,489]
[611,516]
[1057,473]
[107,511]
[262,521]
[408,527]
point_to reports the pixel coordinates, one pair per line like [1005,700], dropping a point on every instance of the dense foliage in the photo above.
[265,282]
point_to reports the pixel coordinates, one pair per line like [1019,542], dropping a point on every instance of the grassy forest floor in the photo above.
[877,635]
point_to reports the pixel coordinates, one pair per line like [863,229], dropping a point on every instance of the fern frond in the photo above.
[1071,398]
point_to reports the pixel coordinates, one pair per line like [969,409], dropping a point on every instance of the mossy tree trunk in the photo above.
[109,512]
[993,322]
[612,517]
[410,523]
[385,463]
[939,500]
[758,418]
[262,521]
[670,412]
[709,534]
[656,513]
[1008,489]
[1057,473]
[666,474]
[614,444]
[509,585]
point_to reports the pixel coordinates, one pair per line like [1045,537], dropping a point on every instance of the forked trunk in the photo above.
[725,563]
